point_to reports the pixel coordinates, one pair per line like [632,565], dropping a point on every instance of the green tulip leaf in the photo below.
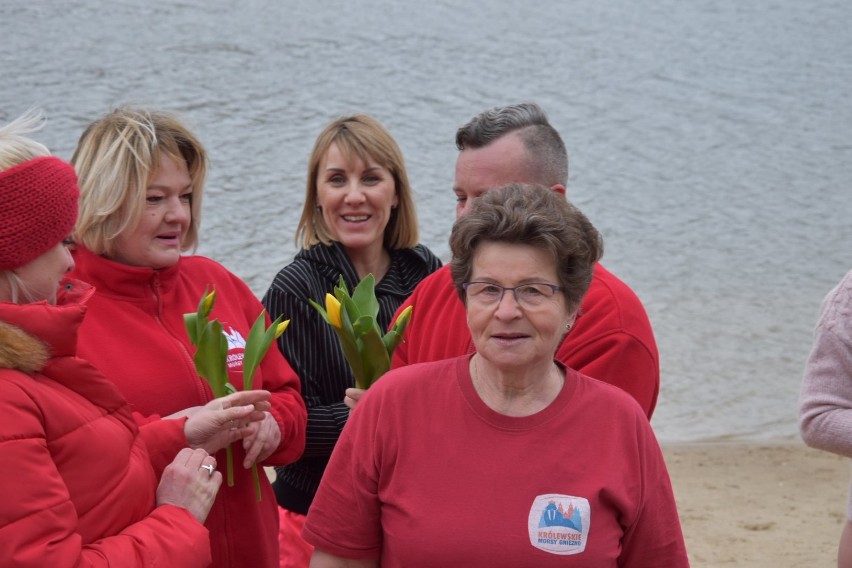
[321,310]
[363,324]
[257,344]
[364,297]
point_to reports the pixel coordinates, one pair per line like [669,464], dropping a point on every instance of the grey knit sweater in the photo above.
[825,404]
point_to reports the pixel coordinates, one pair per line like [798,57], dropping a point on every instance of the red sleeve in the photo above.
[152,542]
[618,359]
[612,340]
[163,438]
[288,408]
[39,523]
[345,516]
[655,537]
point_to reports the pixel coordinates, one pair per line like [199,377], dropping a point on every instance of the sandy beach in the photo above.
[750,505]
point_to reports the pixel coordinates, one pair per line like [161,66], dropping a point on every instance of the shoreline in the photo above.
[755,504]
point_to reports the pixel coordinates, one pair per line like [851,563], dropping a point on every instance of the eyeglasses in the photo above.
[530,295]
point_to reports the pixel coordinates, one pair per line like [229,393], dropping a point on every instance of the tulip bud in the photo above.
[332,308]
[281,327]
[207,304]
[402,321]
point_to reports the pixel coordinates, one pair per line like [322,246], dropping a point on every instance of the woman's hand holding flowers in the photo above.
[225,420]
[211,351]
[352,397]
[262,441]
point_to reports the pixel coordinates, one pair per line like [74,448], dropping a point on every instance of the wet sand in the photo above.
[759,506]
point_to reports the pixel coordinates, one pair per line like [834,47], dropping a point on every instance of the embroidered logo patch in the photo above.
[559,524]
[236,346]
[234,337]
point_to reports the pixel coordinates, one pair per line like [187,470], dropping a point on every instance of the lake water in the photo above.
[710,142]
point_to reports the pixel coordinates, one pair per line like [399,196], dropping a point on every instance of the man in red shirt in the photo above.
[611,340]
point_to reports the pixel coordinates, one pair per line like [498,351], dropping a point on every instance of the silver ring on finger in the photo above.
[210,469]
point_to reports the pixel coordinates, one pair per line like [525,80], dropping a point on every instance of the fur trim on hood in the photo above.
[21,351]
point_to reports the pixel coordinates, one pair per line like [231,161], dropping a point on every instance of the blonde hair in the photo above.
[360,137]
[116,158]
[16,148]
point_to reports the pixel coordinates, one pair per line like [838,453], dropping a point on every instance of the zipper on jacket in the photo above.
[156,289]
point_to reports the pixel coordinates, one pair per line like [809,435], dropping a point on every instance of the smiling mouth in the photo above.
[355,218]
[509,337]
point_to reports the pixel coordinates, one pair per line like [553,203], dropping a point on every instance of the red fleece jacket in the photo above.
[135,334]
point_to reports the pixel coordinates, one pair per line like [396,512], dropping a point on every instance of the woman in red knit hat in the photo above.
[79,482]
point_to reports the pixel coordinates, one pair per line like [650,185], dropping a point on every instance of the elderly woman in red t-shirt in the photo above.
[505,457]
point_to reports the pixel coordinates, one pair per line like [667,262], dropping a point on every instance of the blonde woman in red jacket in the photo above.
[141,183]
[79,482]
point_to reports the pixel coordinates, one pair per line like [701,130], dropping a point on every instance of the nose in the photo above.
[508,307]
[70,260]
[178,211]
[354,194]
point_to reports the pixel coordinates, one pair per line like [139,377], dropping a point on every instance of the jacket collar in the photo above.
[331,260]
[55,326]
[117,279]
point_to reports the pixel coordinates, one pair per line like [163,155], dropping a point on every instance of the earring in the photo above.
[568,327]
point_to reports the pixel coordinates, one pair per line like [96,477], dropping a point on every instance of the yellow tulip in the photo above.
[281,328]
[207,305]
[211,352]
[367,351]
[404,317]
[332,308]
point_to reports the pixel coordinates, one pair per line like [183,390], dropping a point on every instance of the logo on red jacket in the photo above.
[236,346]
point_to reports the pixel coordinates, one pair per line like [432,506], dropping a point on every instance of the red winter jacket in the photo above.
[611,340]
[76,484]
[135,334]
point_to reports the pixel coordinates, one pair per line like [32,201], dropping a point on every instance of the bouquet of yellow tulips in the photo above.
[353,318]
[211,351]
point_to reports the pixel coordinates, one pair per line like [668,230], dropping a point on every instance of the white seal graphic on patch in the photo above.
[234,337]
[559,524]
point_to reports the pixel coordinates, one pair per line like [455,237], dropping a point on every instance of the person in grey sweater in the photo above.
[825,403]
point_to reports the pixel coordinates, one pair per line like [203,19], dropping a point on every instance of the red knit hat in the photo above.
[38,209]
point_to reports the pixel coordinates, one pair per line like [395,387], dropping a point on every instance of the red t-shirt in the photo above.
[426,474]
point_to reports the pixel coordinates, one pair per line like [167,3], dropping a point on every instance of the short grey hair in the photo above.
[545,148]
[531,215]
